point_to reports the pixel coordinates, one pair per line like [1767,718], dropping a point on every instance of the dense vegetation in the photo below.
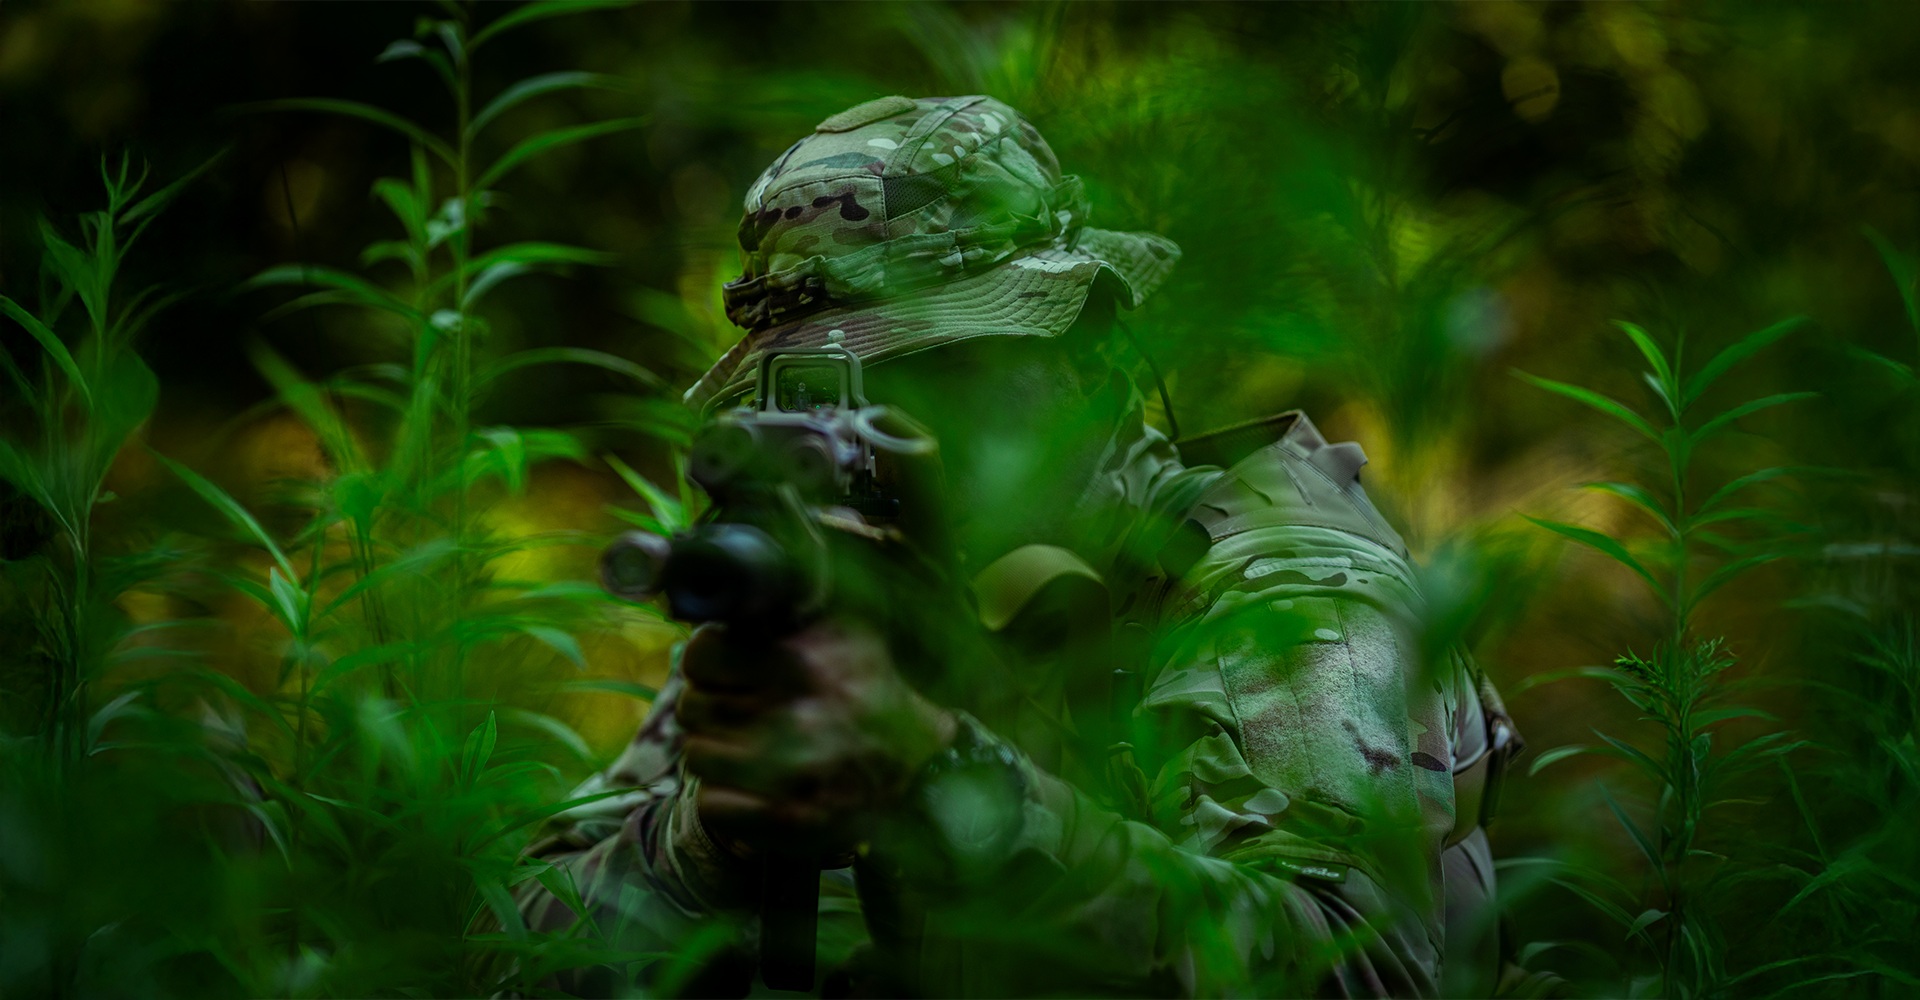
[336,342]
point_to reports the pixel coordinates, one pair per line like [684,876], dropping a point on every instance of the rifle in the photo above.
[820,501]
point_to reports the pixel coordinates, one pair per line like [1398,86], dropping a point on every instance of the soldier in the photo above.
[1291,801]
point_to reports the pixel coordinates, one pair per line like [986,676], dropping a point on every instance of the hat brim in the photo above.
[1038,294]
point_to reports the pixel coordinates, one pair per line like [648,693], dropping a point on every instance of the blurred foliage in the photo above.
[285,703]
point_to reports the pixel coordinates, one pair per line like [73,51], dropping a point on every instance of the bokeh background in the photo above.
[1385,210]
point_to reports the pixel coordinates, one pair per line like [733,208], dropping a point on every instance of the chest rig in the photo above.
[1278,471]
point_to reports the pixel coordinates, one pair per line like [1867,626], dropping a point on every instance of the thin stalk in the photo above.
[459,245]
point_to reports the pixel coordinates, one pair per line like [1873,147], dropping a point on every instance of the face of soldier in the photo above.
[1023,423]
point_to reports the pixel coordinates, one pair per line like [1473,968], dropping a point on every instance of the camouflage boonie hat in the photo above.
[903,224]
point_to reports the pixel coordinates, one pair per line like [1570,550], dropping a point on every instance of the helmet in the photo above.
[905,224]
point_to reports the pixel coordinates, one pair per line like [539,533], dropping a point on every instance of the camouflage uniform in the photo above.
[1292,803]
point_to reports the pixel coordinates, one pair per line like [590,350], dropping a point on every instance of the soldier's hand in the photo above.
[805,739]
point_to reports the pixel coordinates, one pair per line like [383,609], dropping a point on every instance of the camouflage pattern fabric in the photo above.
[1298,834]
[903,224]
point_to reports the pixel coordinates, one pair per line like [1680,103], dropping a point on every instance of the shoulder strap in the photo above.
[1299,479]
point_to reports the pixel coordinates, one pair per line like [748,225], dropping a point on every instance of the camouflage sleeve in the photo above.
[639,861]
[1298,801]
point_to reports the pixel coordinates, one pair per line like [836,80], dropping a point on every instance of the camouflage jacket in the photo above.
[1297,804]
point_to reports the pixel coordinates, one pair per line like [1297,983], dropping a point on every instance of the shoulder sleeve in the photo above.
[643,847]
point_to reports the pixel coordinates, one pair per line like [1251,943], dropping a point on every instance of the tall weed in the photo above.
[1705,538]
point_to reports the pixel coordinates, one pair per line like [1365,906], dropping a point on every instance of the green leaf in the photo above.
[242,695]
[158,200]
[365,112]
[365,656]
[1707,718]
[479,748]
[532,87]
[19,378]
[357,289]
[531,147]
[1662,372]
[49,342]
[1728,573]
[417,561]
[1610,407]
[229,507]
[1634,755]
[1718,423]
[1532,681]
[126,393]
[1641,498]
[537,12]
[1646,919]
[512,450]
[558,879]
[124,705]
[1905,271]
[407,48]
[1604,545]
[405,204]
[1900,370]
[547,812]
[19,468]
[1750,479]
[569,355]
[87,275]
[305,399]
[1633,829]
[495,266]
[564,644]
[1734,353]
[670,512]
[1559,754]
[289,600]
[631,689]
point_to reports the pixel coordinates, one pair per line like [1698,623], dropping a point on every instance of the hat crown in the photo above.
[893,195]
